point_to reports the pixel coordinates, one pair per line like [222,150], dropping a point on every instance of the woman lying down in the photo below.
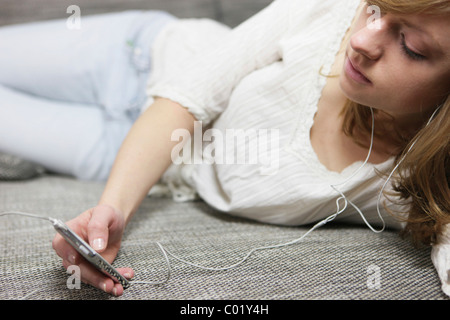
[343,100]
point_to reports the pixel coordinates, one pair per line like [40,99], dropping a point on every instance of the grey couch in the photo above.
[337,261]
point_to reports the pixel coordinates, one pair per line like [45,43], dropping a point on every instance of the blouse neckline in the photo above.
[305,121]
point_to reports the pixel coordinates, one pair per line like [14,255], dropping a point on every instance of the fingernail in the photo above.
[98,244]
[127,275]
[115,292]
[71,258]
[103,285]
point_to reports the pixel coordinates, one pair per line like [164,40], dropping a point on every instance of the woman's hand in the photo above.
[142,159]
[102,227]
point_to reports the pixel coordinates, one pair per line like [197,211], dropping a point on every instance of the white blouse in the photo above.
[265,78]
[262,77]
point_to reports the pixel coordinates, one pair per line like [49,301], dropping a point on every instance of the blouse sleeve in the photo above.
[204,84]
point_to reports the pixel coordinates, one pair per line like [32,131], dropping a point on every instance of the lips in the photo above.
[355,73]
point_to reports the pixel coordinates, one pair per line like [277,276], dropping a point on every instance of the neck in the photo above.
[392,134]
[405,126]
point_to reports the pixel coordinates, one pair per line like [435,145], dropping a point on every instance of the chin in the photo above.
[349,92]
[354,94]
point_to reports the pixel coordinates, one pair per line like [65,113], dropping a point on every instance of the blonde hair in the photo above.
[436,7]
[423,176]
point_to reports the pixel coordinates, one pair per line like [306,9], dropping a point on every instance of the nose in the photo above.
[369,41]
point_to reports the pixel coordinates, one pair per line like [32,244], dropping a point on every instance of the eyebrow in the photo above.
[436,43]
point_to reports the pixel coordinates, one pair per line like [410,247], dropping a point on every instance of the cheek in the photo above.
[406,95]
[425,88]
[413,75]
[442,87]
[409,92]
[404,79]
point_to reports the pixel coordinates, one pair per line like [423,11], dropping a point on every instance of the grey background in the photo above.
[230,12]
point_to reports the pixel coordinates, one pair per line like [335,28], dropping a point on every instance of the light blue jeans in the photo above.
[69,97]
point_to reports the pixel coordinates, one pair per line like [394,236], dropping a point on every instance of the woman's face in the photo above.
[399,64]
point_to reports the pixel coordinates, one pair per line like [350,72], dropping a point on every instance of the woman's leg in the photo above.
[49,60]
[67,138]
[66,105]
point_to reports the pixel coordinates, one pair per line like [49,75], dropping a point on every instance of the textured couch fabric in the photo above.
[334,262]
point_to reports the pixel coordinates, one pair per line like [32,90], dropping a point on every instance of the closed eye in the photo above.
[410,53]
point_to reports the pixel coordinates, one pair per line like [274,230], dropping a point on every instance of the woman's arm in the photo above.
[142,159]
[144,155]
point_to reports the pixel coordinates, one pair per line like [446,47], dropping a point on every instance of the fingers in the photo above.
[98,231]
[104,221]
[128,273]
[102,227]
[91,276]
[62,247]
[65,250]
